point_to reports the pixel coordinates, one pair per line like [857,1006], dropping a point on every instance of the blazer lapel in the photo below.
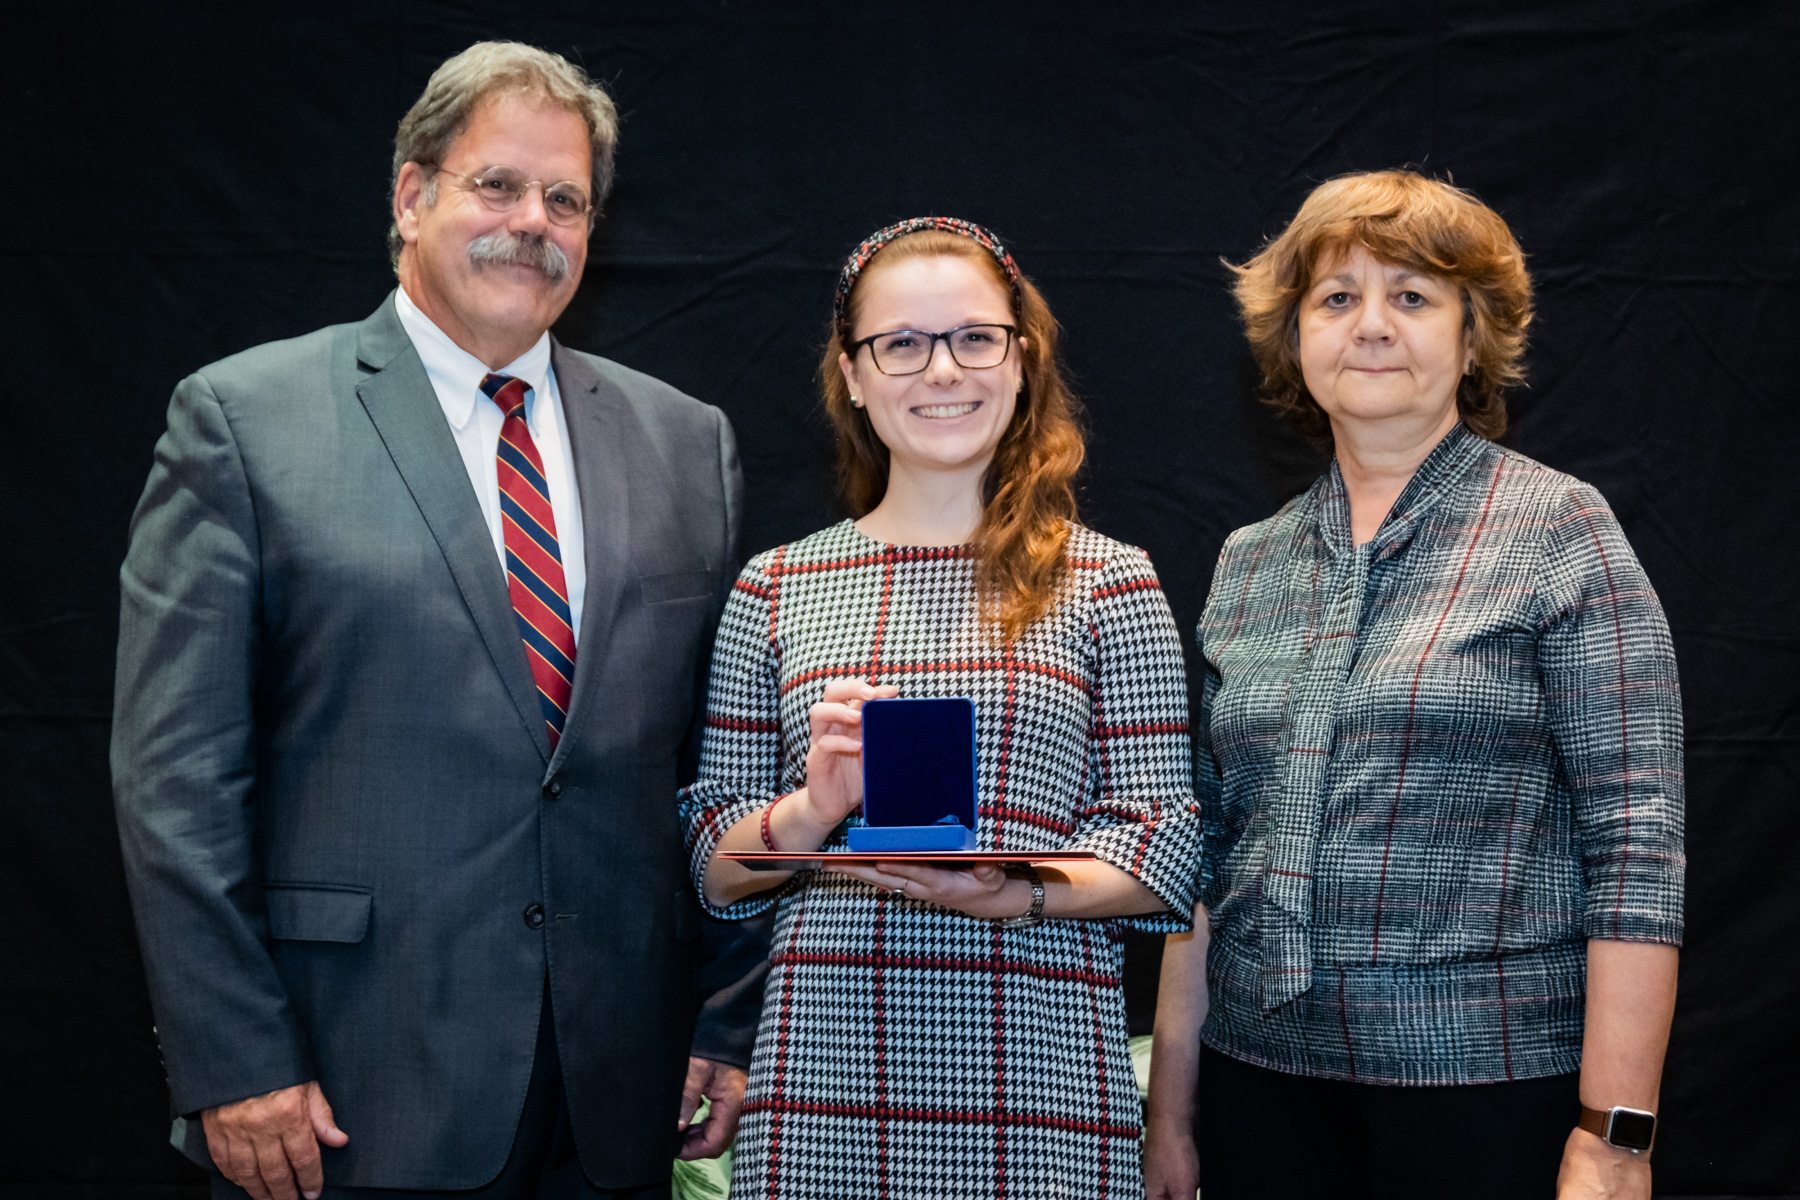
[404,409]
[599,436]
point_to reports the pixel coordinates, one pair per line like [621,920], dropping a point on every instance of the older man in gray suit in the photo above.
[415,620]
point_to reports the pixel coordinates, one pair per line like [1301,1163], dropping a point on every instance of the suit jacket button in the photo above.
[553,789]
[534,916]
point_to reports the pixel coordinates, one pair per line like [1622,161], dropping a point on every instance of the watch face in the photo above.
[1631,1130]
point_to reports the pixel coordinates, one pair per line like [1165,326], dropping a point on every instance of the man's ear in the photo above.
[409,200]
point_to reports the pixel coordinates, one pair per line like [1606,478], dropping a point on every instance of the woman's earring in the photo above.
[856,402]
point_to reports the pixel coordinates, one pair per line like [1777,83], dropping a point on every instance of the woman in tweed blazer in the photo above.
[1439,759]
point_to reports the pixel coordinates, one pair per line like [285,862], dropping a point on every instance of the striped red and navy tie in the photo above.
[534,571]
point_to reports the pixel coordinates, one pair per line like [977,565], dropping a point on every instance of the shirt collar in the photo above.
[456,374]
[1447,463]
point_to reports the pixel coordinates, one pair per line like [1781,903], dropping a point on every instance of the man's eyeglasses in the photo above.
[502,188]
[908,351]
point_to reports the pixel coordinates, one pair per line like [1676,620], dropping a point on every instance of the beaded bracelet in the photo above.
[767,837]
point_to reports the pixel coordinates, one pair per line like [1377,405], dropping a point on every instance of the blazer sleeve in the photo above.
[184,766]
[734,965]
[731,481]
[734,954]
[1613,703]
[731,491]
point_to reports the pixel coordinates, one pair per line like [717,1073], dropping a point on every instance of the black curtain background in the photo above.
[186,181]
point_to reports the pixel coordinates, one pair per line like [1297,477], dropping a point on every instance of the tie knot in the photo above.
[507,391]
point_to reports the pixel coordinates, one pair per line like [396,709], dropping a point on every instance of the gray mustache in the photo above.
[520,250]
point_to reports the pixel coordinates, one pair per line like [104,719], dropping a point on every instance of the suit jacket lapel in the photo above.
[599,440]
[399,400]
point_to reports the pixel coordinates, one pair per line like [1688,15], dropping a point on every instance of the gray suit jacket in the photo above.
[338,805]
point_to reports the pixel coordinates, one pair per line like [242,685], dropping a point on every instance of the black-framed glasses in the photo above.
[503,188]
[909,351]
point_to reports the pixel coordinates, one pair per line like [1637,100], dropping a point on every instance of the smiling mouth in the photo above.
[941,411]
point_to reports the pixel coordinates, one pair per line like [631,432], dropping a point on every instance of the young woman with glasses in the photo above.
[932,1031]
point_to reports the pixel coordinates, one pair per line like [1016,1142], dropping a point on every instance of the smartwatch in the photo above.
[1033,915]
[1630,1129]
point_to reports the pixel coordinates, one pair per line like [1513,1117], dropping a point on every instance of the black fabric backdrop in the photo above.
[194,180]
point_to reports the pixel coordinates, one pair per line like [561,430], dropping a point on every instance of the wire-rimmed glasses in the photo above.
[503,188]
[909,351]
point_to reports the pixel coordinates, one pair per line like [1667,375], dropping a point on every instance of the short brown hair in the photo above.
[1028,495]
[1403,218]
[487,69]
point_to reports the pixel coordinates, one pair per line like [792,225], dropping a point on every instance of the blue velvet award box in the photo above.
[918,765]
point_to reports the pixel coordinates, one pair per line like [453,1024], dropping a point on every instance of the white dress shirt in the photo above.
[475,422]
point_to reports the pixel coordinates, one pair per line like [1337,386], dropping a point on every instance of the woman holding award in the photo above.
[930,1031]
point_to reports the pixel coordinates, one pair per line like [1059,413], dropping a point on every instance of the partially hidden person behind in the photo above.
[934,1031]
[1439,755]
[415,618]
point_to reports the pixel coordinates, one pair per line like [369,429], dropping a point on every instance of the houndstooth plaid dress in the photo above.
[906,1050]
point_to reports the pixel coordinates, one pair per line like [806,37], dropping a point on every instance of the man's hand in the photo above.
[723,1085]
[269,1145]
[1593,1170]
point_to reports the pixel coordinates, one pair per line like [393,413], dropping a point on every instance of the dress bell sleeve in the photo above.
[741,748]
[1139,813]
[1613,705]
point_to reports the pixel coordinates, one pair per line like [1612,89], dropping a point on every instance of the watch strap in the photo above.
[1033,915]
[1594,1120]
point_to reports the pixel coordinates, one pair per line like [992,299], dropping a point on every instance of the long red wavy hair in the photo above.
[1028,493]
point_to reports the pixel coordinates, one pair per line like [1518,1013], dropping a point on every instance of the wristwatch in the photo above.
[1630,1129]
[1033,915]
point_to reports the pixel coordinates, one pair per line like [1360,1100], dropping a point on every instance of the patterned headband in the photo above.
[875,241]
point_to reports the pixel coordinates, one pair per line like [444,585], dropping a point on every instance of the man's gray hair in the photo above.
[489,69]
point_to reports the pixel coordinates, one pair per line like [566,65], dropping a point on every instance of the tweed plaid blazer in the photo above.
[1431,766]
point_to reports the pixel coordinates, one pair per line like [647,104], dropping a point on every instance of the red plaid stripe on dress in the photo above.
[534,570]
[907,1050]
[1432,766]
